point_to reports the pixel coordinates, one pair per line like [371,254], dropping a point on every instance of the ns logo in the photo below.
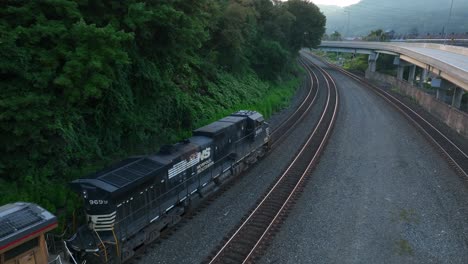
[205,154]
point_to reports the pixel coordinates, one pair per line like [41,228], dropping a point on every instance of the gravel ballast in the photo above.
[194,240]
[380,194]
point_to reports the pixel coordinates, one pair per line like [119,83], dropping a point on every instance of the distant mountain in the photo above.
[404,17]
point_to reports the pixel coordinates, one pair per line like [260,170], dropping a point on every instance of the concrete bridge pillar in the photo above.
[457,97]
[401,67]
[438,93]
[400,71]
[423,77]
[372,60]
[372,66]
[441,87]
[372,63]
[412,74]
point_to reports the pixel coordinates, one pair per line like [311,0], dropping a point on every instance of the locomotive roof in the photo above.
[179,149]
[254,115]
[233,119]
[219,126]
[19,220]
[212,129]
[133,171]
[129,171]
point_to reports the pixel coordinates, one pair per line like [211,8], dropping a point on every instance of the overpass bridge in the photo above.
[449,63]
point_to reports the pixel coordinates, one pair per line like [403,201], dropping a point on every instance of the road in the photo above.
[450,60]
[458,57]
[454,59]
[380,194]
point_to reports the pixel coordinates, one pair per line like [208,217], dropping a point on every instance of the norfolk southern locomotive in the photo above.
[129,204]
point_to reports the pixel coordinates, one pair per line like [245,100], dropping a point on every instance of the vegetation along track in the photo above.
[277,136]
[248,241]
[280,132]
[456,157]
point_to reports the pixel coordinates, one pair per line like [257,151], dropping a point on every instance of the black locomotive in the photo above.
[127,205]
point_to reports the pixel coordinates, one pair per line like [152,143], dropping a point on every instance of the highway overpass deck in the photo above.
[448,62]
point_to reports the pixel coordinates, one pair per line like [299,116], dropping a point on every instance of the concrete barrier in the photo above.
[449,48]
[448,62]
[454,118]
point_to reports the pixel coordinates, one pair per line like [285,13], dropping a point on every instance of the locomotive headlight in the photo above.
[85,194]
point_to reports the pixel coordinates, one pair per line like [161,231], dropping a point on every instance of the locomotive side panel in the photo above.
[128,206]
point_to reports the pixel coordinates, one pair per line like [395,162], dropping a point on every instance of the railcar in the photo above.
[22,229]
[128,205]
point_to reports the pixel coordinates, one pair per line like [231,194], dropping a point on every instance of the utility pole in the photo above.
[448,21]
[347,27]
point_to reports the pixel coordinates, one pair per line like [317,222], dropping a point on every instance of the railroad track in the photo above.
[454,154]
[278,134]
[247,242]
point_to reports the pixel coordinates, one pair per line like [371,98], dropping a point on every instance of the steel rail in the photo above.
[307,171]
[264,207]
[303,102]
[455,155]
[285,128]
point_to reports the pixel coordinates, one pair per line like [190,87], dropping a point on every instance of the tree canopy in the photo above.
[377,35]
[85,83]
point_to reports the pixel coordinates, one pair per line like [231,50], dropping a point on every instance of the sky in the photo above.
[336,2]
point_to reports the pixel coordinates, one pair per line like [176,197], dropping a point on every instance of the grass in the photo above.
[349,61]
[408,216]
[403,247]
[396,90]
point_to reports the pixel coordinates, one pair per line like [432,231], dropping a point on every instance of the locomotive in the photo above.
[22,234]
[128,205]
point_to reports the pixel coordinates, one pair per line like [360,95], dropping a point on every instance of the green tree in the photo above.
[335,36]
[376,35]
[309,25]
[85,83]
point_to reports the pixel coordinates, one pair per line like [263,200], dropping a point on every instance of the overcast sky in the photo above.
[335,2]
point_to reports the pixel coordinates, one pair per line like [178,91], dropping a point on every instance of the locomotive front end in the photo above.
[100,214]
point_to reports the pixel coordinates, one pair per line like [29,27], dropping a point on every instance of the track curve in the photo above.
[250,238]
[454,154]
[285,126]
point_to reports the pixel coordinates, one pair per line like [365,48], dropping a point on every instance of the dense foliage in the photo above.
[377,35]
[85,83]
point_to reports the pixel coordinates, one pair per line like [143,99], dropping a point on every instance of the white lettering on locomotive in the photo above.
[205,154]
[98,202]
[193,160]
[204,165]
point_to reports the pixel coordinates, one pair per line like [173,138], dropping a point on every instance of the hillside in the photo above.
[405,17]
[88,83]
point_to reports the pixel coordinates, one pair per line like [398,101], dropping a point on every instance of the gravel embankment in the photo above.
[380,194]
[455,137]
[195,240]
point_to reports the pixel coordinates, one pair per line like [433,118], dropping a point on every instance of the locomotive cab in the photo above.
[22,229]
[256,125]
